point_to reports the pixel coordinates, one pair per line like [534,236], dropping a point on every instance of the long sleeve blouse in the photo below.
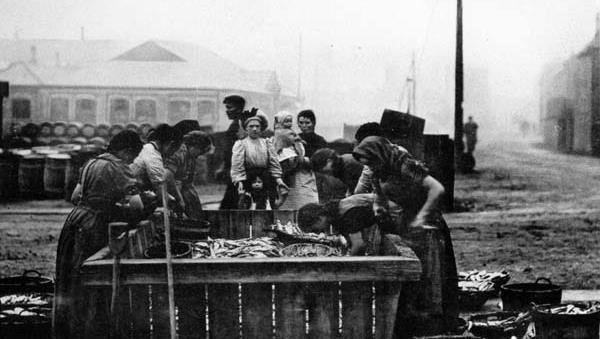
[253,153]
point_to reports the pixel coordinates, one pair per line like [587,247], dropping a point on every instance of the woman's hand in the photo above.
[281,184]
[240,188]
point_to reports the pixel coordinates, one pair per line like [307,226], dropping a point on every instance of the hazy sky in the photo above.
[346,44]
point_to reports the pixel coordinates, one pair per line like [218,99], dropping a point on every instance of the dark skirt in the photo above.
[193,206]
[84,233]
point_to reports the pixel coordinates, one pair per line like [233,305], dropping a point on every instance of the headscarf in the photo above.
[285,137]
[380,151]
[280,117]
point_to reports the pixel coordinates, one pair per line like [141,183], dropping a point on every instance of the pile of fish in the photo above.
[481,280]
[290,233]
[589,308]
[509,323]
[20,299]
[25,305]
[242,248]
[311,250]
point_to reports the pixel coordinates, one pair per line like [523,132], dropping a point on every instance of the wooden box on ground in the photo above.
[327,297]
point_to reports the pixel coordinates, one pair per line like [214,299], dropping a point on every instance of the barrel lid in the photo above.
[20,151]
[59,156]
[47,151]
[68,147]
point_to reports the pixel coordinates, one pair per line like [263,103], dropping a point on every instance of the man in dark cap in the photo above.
[306,122]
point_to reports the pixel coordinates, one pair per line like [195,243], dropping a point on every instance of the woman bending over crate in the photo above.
[104,184]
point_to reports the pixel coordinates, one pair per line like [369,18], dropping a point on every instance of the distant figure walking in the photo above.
[470,132]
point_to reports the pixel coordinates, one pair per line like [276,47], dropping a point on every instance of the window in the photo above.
[21,108]
[145,111]
[59,109]
[206,112]
[178,110]
[119,111]
[85,110]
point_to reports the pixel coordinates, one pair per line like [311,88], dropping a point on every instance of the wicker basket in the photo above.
[480,325]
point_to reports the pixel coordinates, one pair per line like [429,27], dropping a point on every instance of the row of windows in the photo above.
[144,110]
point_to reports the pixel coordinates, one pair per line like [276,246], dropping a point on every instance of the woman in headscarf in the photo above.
[296,166]
[254,156]
[399,178]
[104,183]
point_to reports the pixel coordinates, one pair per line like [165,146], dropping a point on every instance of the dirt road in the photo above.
[532,212]
[526,210]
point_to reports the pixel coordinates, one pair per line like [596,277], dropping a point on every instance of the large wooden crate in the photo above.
[330,297]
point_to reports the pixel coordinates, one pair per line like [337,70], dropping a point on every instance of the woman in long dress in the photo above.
[399,178]
[104,181]
[296,166]
[254,157]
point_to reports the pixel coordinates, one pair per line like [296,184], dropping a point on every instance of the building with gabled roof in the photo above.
[105,81]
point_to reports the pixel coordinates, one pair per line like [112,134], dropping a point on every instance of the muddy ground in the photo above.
[526,210]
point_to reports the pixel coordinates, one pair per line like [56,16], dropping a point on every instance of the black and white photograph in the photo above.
[385,169]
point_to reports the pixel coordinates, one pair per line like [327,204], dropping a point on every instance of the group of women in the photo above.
[272,172]
[122,184]
[394,191]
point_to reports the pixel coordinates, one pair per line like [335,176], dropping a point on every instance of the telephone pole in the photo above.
[458,89]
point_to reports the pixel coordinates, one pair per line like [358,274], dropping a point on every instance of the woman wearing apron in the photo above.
[397,177]
[104,181]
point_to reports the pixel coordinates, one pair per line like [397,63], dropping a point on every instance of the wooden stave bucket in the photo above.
[9,167]
[556,326]
[55,174]
[31,176]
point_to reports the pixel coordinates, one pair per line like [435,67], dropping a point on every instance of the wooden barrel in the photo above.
[54,174]
[44,141]
[30,130]
[115,129]
[46,130]
[88,131]
[59,129]
[132,126]
[103,131]
[9,167]
[31,176]
[78,159]
[79,140]
[59,141]
[99,141]
[74,129]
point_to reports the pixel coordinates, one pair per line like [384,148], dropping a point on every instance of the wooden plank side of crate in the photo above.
[160,312]
[123,313]
[190,301]
[256,270]
[357,321]
[97,322]
[289,311]
[140,305]
[323,310]
[257,311]
[261,221]
[386,306]
[220,223]
[240,224]
[223,310]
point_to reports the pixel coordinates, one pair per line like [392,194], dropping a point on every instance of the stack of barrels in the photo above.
[43,171]
[44,160]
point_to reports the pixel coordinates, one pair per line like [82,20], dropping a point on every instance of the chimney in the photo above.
[33,59]
[82,33]
[57,59]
